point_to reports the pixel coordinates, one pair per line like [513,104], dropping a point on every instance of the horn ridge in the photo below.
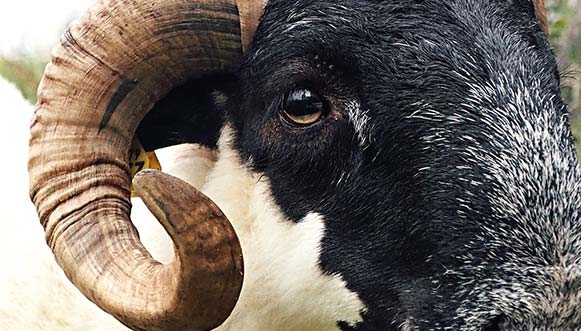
[112,65]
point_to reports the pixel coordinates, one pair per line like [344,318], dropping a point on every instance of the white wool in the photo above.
[34,293]
[283,290]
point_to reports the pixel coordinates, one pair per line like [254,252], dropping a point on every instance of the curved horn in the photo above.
[113,64]
[541,12]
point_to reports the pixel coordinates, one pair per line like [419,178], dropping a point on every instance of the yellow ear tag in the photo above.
[139,160]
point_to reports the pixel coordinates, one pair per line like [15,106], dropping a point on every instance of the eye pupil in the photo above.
[303,107]
[303,102]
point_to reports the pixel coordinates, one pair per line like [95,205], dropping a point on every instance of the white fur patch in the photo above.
[360,120]
[284,289]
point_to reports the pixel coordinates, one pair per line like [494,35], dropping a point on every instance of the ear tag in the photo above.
[139,160]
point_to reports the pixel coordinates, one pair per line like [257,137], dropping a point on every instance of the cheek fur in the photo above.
[284,287]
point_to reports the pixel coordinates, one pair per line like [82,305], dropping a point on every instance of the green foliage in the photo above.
[25,72]
[561,15]
[561,19]
[565,25]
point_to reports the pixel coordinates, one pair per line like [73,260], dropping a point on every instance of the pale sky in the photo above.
[35,25]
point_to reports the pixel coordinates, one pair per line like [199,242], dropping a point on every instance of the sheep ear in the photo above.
[188,114]
[541,13]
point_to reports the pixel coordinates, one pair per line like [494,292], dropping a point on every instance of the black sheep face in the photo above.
[443,161]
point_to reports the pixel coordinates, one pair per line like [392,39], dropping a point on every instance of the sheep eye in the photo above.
[303,107]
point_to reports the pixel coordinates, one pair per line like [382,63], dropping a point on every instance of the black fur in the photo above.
[409,214]
[188,114]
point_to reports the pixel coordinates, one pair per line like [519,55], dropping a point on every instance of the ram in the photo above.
[380,165]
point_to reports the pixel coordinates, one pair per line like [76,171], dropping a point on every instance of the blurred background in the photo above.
[29,28]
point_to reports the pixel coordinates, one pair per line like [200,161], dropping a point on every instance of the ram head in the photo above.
[421,147]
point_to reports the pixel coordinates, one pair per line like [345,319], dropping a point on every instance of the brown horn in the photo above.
[250,12]
[113,64]
[541,12]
